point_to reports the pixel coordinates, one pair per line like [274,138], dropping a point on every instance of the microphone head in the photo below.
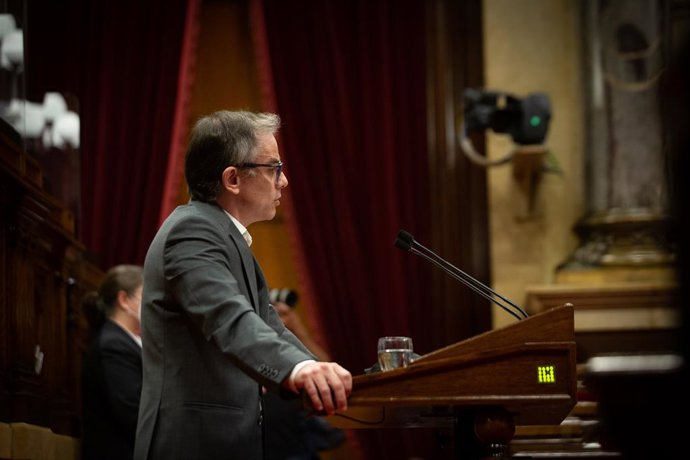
[404,240]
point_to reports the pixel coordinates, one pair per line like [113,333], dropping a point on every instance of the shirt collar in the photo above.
[243,230]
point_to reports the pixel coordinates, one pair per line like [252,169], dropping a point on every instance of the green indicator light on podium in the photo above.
[546,374]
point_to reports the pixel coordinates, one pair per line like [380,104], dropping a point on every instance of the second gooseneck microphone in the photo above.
[406,242]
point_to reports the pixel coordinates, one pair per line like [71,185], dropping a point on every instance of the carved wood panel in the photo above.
[42,280]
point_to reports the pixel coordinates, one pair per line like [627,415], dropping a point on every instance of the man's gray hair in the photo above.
[219,140]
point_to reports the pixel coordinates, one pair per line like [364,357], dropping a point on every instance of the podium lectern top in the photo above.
[526,369]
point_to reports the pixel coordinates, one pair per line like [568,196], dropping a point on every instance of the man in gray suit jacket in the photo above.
[212,343]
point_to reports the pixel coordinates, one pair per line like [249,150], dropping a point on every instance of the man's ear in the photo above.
[231,179]
[122,298]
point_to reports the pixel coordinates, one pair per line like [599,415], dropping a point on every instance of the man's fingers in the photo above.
[326,397]
[327,385]
[313,394]
[345,377]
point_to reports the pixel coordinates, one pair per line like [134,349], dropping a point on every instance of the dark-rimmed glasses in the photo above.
[277,167]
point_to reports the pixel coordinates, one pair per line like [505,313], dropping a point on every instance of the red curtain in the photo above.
[175,172]
[348,79]
[123,62]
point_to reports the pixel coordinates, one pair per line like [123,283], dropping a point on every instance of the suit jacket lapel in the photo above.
[247,266]
[247,262]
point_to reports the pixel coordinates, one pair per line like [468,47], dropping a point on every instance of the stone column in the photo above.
[623,233]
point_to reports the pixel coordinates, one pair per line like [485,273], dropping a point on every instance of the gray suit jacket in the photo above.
[210,339]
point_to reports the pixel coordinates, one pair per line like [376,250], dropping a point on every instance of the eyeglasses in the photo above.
[277,167]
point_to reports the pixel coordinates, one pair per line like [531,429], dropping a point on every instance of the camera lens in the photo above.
[285,295]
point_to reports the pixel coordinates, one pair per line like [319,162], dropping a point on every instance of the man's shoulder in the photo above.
[192,223]
[194,213]
[194,208]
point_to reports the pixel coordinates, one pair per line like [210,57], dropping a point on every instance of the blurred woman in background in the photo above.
[112,368]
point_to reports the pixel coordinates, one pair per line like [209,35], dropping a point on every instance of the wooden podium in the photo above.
[521,374]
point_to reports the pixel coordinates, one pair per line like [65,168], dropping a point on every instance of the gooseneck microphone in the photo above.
[406,242]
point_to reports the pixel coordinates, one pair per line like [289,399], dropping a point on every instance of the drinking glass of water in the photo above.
[394,352]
